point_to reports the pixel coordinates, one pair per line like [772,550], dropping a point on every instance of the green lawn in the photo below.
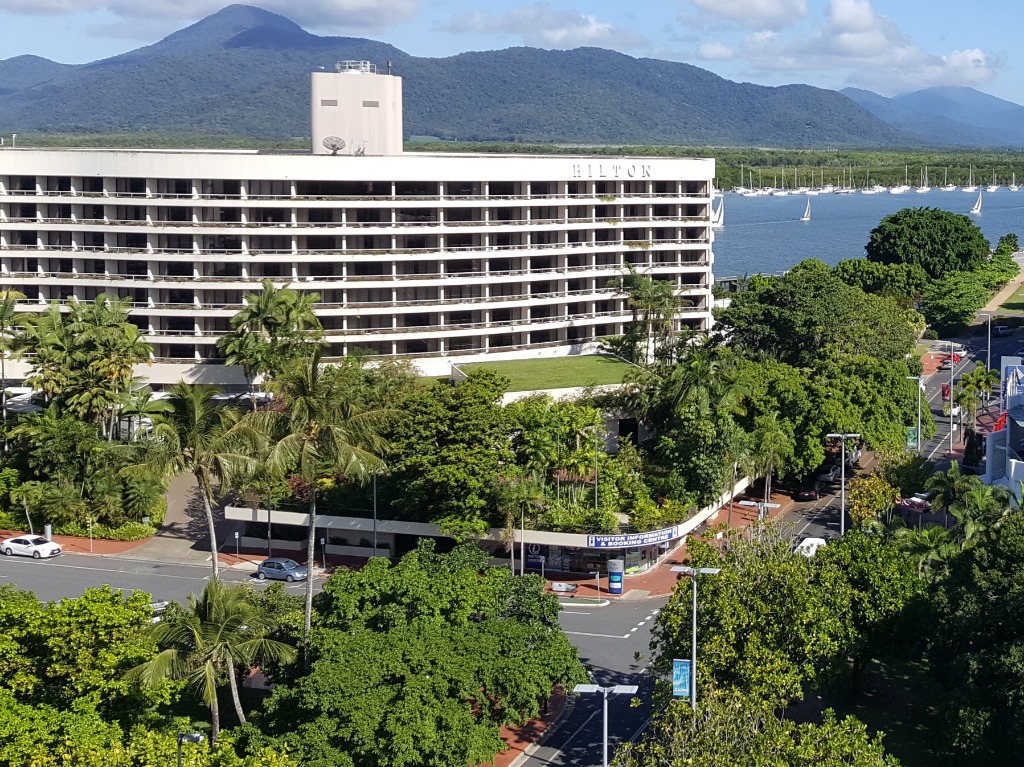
[1014,303]
[559,373]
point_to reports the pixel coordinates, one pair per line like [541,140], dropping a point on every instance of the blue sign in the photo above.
[680,678]
[912,438]
[616,567]
[632,539]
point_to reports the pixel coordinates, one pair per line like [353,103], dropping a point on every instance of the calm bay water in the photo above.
[766,235]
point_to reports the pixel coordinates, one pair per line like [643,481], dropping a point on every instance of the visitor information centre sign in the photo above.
[630,540]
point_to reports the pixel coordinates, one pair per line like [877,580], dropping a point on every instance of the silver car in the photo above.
[34,546]
[281,569]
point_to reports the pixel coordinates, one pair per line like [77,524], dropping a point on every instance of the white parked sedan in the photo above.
[34,546]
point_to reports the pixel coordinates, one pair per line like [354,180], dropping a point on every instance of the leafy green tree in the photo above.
[421,662]
[770,623]
[931,548]
[220,633]
[936,240]
[903,282]
[324,428]
[953,299]
[730,729]
[977,655]
[449,449]
[871,497]
[206,439]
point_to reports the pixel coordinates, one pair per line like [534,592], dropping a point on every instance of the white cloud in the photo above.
[335,15]
[716,51]
[770,14]
[540,25]
[870,50]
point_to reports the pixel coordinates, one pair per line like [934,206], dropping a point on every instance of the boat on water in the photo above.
[924,186]
[807,211]
[946,186]
[970,182]
[976,210]
[718,215]
[1013,184]
[994,186]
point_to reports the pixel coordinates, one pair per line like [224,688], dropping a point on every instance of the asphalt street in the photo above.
[608,639]
[69,575]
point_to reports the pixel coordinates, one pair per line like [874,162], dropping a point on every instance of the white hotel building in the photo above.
[436,257]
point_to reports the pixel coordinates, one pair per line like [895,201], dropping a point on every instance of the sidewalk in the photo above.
[522,738]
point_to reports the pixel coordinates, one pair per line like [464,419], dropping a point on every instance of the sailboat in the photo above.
[970,182]
[924,186]
[976,210]
[946,186]
[807,211]
[1013,184]
[994,186]
[718,216]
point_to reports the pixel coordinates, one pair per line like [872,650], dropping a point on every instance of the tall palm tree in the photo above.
[948,486]
[206,439]
[772,446]
[8,339]
[51,348]
[739,453]
[324,428]
[978,507]
[931,548]
[653,303]
[220,633]
[139,403]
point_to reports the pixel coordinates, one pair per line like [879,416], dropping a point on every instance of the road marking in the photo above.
[570,612]
[577,732]
[602,636]
[125,572]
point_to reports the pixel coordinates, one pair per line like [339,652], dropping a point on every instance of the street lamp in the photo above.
[619,689]
[693,572]
[842,477]
[920,388]
[988,346]
[187,737]
[762,507]
[952,368]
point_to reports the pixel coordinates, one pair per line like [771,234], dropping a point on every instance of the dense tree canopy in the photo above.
[936,240]
[421,663]
[809,313]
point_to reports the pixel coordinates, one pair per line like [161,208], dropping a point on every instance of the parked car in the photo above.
[829,473]
[807,492]
[946,365]
[809,546]
[34,546]
[281,569]
[1002,330]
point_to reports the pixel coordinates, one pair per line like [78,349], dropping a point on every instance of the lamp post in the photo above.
[375,514]
[842,476]
[619,689]
[693,572]
[952,368]
[187,737]
[522,540]
[988,346]
[920,388]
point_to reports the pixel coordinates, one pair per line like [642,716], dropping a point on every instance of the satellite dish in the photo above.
[334,143]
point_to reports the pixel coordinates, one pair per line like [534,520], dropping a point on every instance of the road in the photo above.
[71,574]
[608,639]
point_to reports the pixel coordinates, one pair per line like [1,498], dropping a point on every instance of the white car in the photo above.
[34,546]
[809,546]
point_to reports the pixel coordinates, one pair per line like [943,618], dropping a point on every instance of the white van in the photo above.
[1002,330]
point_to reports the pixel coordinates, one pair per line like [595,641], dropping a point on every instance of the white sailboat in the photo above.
[1013,184]
[994,186]
[976,210]
[718,216]
[970,182]
[807,211]
[946,186]
[924,186]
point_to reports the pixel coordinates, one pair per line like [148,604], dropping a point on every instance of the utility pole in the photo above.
[842,476]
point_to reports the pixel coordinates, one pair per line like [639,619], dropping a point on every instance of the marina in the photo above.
[766,234]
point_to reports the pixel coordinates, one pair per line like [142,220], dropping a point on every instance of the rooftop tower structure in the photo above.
[356,110]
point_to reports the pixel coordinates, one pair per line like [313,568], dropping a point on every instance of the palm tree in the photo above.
[138,403]
[206,439]
[51,346]
[931,548]
[977,508]
[772,446]
[653,303]
[738,452]
[8,340]
[219,633]
[325,428]
[947,486]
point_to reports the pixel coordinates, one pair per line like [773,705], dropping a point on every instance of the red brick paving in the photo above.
[78,545]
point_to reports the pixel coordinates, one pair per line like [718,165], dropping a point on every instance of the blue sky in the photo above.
[889,46]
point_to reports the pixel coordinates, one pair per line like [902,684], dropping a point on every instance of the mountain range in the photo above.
[245,72]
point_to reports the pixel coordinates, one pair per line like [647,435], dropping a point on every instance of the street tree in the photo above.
[205,438]
[731,728]
[952,300]
[220,633]
[936,240]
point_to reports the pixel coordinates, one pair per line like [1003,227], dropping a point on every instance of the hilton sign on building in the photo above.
[436,257]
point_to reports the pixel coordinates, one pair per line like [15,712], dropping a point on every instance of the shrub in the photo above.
[130,531]
[931,334]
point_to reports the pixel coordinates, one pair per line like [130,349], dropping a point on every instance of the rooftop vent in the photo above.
[356,66]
